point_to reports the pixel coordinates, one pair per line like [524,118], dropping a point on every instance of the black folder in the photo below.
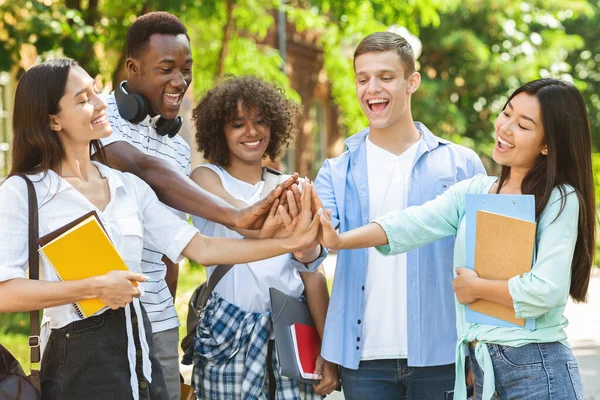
[286,311]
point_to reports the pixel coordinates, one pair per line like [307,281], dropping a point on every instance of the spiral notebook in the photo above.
[78,250]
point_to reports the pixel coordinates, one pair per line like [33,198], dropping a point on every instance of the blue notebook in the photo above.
[496,208]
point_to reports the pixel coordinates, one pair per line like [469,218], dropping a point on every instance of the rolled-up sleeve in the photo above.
[14,225]
[324,187]
[310,266]
[417,226]
[547,285]
[162,228]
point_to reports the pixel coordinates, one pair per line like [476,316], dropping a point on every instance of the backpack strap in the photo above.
[272,178]
[34,269]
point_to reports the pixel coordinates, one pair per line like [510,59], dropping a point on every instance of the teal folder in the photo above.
[521,207]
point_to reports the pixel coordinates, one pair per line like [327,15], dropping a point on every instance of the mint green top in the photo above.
[541,294]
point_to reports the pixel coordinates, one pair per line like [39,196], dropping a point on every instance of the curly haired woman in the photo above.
[238,124]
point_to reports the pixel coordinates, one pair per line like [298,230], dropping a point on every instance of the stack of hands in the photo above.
[301,217]
[296,213]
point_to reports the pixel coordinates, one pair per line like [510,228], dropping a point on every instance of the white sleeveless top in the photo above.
[247,285]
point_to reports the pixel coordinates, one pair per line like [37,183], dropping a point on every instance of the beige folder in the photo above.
[503,249]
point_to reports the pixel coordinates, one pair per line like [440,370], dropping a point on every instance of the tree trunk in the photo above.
[74,4]
[92,13]
[227,33]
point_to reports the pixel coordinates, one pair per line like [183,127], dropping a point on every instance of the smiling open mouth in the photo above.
[101,119]
[173,99]
[377,105]
[252,145]
[504,145]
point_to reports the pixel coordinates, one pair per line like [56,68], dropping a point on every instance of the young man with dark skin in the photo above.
[390,323]
[145,142]
[159,69]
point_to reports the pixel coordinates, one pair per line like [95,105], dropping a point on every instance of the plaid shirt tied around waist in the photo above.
[230,353]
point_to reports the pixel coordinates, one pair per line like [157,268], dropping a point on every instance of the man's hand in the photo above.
[330,374]
[464,285]
[327,236]
[253,217]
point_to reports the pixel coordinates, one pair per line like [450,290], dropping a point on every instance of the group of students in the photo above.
[393,204]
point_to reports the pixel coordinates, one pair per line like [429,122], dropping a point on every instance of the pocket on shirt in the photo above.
[442,184]
[132,239]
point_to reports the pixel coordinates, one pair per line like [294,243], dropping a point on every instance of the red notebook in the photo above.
[307,346]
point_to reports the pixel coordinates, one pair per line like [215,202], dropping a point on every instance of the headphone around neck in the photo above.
[134,109]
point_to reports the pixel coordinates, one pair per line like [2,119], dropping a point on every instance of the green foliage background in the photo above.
[474,52]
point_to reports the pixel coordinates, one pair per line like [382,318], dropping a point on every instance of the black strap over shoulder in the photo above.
[34,269]
[214,279]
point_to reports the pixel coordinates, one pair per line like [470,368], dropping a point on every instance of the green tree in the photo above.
[585,64]
[228,38]
[343,24]
[45,27]
[474,52]
[482,51]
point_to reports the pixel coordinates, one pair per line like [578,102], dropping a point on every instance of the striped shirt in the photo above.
[157,299]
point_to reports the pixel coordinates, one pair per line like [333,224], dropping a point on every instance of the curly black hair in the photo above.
[219,106]
[161,22]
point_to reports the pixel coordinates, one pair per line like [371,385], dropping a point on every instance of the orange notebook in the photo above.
[504,248]
[307,346]
[80,250]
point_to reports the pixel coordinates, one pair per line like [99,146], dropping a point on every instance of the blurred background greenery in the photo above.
[474,52]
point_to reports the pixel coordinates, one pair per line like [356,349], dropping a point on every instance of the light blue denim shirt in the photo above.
[343,188]
[541,294]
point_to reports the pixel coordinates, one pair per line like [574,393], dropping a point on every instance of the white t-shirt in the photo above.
[157,300]
[385,334]
[247,285]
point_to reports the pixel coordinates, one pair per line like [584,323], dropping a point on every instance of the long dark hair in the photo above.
[36,147]
[569,161]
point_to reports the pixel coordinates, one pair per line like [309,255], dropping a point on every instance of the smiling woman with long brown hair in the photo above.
[58,119]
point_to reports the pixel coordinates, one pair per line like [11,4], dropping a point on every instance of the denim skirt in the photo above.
[540,371]
[87,360]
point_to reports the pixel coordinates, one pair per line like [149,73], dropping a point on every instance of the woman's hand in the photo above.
[306,225]
[330,376]
[288,217]
[252,217]
[280,222]
[116,289]
[465,284]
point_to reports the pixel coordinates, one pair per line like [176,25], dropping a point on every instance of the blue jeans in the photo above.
[541,371]
[394,379]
